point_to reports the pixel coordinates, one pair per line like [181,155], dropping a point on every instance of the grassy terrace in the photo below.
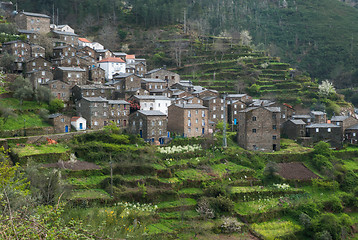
[31,150]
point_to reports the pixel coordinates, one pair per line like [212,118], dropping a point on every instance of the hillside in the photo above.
[319,37]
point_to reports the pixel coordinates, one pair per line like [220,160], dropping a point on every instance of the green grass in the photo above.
[14,103]
[277,228]
[177,203]
[32,120]
[192,174]
[290,146]
[90,194]
[259,206]
[30,149]
[179,215]
[86,181]
[228,167]
[191,191]
[351,165]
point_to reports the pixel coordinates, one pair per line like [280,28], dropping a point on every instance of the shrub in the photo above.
[324,235]
[311,209]
[321,162]
[230,225]
[322,148]
[349,200]
[204,209]
[221,204]
[334,204]
[330,223]
[215,191]
[349,181]
[325,185]
[305,221]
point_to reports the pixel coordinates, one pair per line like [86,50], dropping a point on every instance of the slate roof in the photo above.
[151,97]
[153,71]
[317,113]
[55,115]
[35,14]
[65,33]
[95,99]
[297,122]
[154,80]
[301,116]
[322,125]
[339,118]
[74,69]
[236,95]
[123,75]
[151,113]
[190,106]
[24,31]
[354,127]
[118,102]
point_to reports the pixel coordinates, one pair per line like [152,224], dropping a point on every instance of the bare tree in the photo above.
[108,37]
[245,38]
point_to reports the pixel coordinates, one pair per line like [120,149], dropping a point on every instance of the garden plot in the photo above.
[230,168]
[295,170]
[181,204]
[89,194]
[276,229]
[259,192]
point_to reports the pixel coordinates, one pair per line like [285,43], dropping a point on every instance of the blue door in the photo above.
[66,128]
[168,134]
[203,130]
[81,125]
[235,121]
[141,133]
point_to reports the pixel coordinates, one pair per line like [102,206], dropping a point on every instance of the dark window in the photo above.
[253,118]
[274,137]
[254,130]
[274,127]
[273,116]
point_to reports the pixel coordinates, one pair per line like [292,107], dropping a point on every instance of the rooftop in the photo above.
[74,69]
[84,40]
[323,125]
[190,106]
[151,113]
[112,59]
[155,80]
[35,14]
[339,118]
[95,99]
[117,102]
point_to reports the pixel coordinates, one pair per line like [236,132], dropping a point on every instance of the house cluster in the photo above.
[104,86]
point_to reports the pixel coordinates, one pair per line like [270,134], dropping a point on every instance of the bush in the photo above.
[325,185]
[321,162]
[324,235]
[204,209]
[310,209]
[334,204]
[349,200]
[330,223]
[305,221]
[230,225]
[322,148]
[215,191]
[349,181]
[221,204]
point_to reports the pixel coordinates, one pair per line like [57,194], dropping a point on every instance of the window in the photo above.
[104,114]
[189,130]
[45,64]
[79,104]
[124,113]
[254,130]
[222,116]
[153,133]
[73,54]
[54,86]
[214,101]
[95,114]
[338,123]
[153,123]
[198,100]
[196,129]
[222,100]
[131,79]
[95,104]
[274,137]
[329,130]
[95,123]
[34,64]
[104,104]
[133,123]
[140,123]
[253,118]
[354,134]
[317,130]
[77,75]
[273,116]
[222,108]
[189,114]
[43,73]
[235,112]
[62,120]
[150,86]
[254,147]
[158,104]
[214,108]
[69,74]
[189,123]
[214,116]
[202,113]
[274,127]
[203,123]
[92,93]
[196,120]
[160,123]
[118,113]
[160,132]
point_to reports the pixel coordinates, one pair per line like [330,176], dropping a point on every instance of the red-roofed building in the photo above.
[112,66]
[84,42]
[79,123]
[130,59]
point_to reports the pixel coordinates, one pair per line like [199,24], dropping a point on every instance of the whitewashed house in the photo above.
[150,102]
[112,66]
[62,28]
[79,123]
[84,42]
[96,46]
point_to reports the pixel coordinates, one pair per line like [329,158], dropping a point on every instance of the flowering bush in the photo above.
[230,225]
[179,149]
[136,208]
[283,186]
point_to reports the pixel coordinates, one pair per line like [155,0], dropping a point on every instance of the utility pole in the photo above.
[225,120]
[110,164]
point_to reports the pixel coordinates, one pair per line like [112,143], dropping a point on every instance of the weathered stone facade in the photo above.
[80,91]
[94,110]
[233,109]
[33,21]
[64,51]
[59,89]
[153,84]
[188,120]
[326,132]
[150,125]
[38,77]
[37,51]
[60,122]
[344,121]
[71,75]
[169,77]
[96,75]
[215,107]
[38,63]
[21,50]
[119,112]
[293,129]
[66,37]
[259,128]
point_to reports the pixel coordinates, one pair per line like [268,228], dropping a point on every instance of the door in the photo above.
[274,147]
[235,121]
[141,133]
[81,126]
[59,95]
[66,128]
[203,131]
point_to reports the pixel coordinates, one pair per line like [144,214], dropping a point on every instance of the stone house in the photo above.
[80,91]
[150,125]
[151,84]
[38,77]
[169,77]
[37,51]
[96,75]
[130,69]
[240,97]
[30,35]
[33,21]
[20,49]
[64,51]
[149,102]
[186,86]
[38,63]
[65,37]
[188,100]
[259,128]
[233,109]
[351,134]
[59,89]
[344,121]
[127,82]
[88,51]
[119,112]
[215,107]
[293,129]
[325,132]
[79,123]
[140,69]
[304,117]
[60,122]
[205,93]
[102,54]
[188,120]
[84,42]
[71,75]
[94,110]
[62,28]
[318,117]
